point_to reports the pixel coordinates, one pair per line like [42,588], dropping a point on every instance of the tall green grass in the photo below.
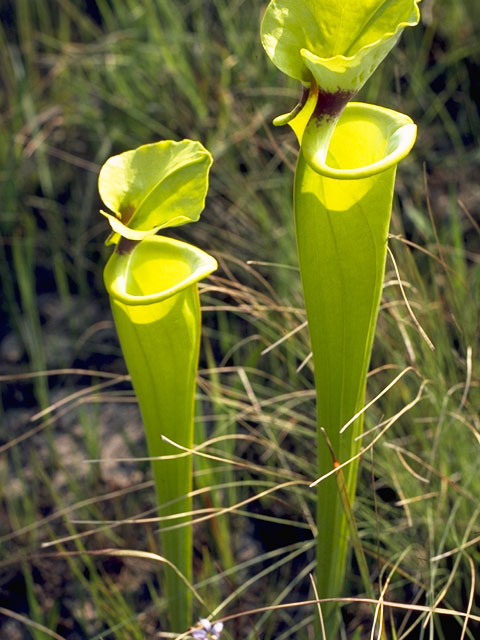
[85,80]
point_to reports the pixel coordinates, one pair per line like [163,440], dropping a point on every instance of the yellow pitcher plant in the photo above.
[343,192]
[152,284]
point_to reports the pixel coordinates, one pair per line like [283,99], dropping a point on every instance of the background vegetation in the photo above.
[84,79]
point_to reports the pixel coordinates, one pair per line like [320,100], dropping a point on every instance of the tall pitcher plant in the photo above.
[343,193]
[152,284]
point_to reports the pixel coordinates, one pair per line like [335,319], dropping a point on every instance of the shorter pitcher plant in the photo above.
[343,194]
[152,284]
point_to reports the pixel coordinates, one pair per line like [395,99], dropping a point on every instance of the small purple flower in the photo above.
[205,630]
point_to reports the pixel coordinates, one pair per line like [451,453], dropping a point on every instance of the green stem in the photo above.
[154,298]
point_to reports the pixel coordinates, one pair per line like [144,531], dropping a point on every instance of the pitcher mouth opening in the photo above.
[156,269]
[367,140]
